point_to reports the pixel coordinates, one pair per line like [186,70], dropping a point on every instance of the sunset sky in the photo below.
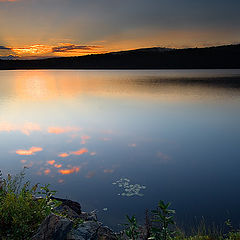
[47,28]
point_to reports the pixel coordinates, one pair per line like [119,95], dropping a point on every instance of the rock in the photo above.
[85,231]
[67,211]
[75,206]
[53,228]
[92,216]
[105,233]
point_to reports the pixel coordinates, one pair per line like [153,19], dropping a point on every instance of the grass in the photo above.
[21,212]
[161,226]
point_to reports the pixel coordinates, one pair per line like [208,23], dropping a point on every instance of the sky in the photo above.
[48,28]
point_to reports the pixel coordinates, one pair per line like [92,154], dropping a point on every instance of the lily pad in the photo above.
[129,189]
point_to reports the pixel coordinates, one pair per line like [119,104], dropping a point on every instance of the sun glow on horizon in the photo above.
[60,50]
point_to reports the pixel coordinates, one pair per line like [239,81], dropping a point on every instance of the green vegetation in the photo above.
[20,211]
[162,227]
[132,228]
[163,217]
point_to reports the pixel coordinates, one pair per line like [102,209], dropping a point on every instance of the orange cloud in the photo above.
[61,181]
[37,49]
[80,151]
[60,130]
[23,161]
[69,171]
[65,49]
[93,153]
[47,171]
[58,165]
[51,162]
[63,155]
[31,151]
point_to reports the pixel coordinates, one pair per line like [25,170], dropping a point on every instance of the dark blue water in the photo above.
[119,141]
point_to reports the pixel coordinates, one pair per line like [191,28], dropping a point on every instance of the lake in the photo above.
[120,141]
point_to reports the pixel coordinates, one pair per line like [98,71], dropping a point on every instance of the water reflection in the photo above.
[60,130]
[26,128]
[50,85]
[79,152]
[63,155]
[30,151]
[69,171]
[83,130]
[84,138]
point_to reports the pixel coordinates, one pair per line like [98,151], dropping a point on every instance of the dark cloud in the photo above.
[4,48]
[72,47]
[9,57]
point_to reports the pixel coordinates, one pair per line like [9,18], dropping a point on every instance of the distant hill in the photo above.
[227,56]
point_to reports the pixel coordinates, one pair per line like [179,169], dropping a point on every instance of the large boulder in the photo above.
[91,230]
[53,228]
[67,211]
[85,216]
[75,206]
[85,231]
[105,233]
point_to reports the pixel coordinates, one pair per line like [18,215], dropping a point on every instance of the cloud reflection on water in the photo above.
[60,130]
[79,152]
[69,171]
[63,155]
[30,151]
[25,128]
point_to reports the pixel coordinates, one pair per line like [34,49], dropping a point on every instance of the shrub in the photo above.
[132,228]
[20,211]
[163,217]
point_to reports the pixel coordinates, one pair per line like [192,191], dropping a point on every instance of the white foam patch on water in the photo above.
[129,189]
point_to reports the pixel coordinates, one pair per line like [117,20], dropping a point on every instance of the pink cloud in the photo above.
[69,171]
[57,165]
[61,130]
[63,155]
[30,151]
[47,171]
[51,162]
[79,152]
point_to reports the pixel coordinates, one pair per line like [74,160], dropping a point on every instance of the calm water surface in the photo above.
[119,141]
